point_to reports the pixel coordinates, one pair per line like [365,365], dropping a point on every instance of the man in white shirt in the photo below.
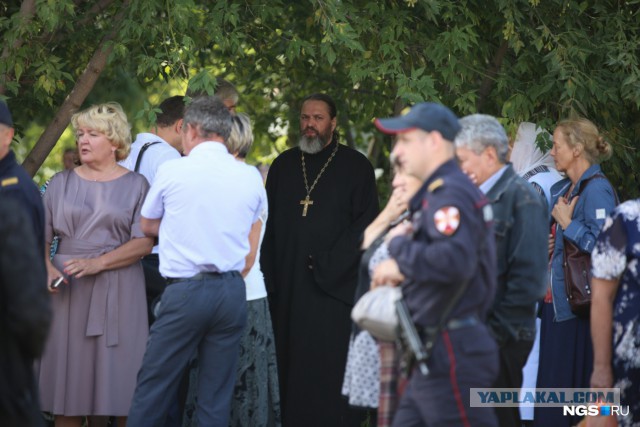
[148,152]
[202,207]
[165,141]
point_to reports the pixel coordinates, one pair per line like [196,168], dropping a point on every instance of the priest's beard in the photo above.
[314,144]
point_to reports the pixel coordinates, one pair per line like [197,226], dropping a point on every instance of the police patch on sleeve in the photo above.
[447,220]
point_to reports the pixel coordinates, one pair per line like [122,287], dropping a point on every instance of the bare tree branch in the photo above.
[84,85]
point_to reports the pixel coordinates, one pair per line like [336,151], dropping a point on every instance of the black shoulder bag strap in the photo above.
[142,150]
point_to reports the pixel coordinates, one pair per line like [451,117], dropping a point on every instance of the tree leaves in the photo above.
[560,57]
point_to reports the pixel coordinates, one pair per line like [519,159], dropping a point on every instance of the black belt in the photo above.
[463,322]
[453,324]
[199,276]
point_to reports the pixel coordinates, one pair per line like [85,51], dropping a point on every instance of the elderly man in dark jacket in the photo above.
[521,230]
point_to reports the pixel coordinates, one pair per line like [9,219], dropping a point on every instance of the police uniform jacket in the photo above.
[16,183]
[452,243]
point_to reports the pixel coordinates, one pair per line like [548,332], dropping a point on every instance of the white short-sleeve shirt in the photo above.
[153,157]
[208,202]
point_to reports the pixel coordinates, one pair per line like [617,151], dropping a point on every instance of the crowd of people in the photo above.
[161,282]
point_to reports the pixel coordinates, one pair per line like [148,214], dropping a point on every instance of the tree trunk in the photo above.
[74,100]
[487,82]
[27,10]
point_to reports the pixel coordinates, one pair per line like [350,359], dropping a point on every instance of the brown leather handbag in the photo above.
[577,278]
[577,269]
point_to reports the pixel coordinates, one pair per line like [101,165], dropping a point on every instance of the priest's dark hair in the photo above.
[324,98]
[209,115]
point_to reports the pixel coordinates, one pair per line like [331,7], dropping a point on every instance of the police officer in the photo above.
[14,180]
[448,244]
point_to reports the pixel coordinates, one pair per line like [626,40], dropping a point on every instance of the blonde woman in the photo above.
[579,206]
[99,327]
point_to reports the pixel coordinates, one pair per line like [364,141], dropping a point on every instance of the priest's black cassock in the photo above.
[310,265]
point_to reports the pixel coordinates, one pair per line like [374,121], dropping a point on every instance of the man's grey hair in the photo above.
[481,131]
[209,116]
[241,137]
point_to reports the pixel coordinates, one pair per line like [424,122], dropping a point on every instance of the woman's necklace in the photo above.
[307,200]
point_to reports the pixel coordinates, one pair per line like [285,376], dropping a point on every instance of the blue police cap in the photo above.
[428,116]
[5,115]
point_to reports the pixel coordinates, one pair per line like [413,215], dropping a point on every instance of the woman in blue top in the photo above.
[580,204]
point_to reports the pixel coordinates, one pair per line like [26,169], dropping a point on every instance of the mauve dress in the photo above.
[99,329]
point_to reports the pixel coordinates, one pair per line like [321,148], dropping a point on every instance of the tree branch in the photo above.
[492,72]
[84,84]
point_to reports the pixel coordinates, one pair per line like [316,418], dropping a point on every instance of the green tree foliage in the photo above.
[518,60]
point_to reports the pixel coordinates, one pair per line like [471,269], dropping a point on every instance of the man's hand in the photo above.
[386,273]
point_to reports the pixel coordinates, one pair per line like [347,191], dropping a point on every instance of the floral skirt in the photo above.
[362,374]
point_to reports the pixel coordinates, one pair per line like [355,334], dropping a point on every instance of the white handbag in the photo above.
[375,312]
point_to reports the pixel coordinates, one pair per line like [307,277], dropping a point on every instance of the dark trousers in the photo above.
[513,356]
[154,283]
[206,315]
[566,360]
[461,360]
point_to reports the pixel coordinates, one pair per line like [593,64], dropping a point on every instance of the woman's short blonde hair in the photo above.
[241,137]
[109,119]
[583,132]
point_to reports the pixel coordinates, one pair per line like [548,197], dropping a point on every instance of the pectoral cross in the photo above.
[306,202]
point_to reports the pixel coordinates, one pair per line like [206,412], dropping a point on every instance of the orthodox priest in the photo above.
[322,195]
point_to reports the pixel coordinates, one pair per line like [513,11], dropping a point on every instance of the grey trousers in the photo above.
[206,314]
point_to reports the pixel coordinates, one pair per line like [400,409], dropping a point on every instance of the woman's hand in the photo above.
[563,211]
[81,267]
[405,228]
[52,275]
[395,206]
[386,273]
[602,376]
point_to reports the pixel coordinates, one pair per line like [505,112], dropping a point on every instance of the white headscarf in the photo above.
[525,154]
